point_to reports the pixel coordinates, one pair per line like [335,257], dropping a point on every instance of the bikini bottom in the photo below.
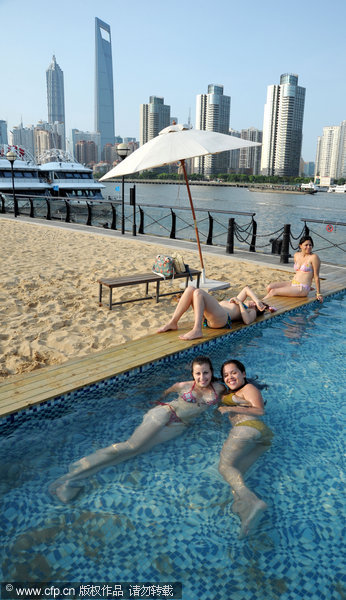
[266,433]
[227,326]
[302,286]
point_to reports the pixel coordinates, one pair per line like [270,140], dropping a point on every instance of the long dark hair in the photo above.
[241,367]
[306,238]
[203,360]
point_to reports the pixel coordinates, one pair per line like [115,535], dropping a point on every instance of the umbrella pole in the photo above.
[209,284]
[182,162]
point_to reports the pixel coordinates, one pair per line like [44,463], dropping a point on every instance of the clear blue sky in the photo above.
[175,50]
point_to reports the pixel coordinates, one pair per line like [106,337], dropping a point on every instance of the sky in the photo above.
[175,50]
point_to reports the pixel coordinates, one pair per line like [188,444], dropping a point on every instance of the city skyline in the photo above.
[176,55]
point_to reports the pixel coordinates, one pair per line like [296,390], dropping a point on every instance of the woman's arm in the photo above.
[176,387]
[253,397]
[316,263]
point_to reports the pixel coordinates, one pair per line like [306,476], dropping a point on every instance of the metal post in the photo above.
[114,217]
[306,229]
[123,205]
[230,237]
[285,244]
[210,233]
[3,206]
[31,208]
[133,204]
[141,220]
[89,214]
[253,239]
[48,217]
[173,226]
[15,203]
[68,212]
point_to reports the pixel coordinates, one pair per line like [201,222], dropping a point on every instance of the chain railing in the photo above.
[216,227]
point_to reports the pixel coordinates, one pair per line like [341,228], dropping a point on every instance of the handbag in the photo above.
[164,266]
[179,264]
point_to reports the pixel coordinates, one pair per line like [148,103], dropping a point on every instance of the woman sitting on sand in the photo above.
[216,314]
[160,424]
[249,438]
[307,267]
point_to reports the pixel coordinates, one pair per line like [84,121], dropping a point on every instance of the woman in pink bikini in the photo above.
[160,424]
[307,268]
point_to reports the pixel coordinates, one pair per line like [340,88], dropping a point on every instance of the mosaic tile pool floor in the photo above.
[166,515]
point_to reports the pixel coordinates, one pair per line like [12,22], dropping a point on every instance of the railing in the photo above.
[216,227]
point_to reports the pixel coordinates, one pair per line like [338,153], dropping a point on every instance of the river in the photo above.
[272,211]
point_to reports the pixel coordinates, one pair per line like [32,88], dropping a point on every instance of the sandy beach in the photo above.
[49,292]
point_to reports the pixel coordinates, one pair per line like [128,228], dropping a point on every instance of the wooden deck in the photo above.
[22,391]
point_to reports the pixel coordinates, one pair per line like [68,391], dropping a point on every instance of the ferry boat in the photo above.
[338,189]
[309,188]
[57,175]
[27,179]
[67,178]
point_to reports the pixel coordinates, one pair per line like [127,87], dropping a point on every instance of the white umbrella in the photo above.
[177,143]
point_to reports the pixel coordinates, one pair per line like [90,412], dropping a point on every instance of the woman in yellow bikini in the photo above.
[307,268]
[248,439]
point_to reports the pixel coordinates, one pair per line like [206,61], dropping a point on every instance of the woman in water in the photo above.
[160,424]
[216,314]
[307,268]
[249,438]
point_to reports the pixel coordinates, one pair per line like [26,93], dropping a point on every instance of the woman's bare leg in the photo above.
[205,304]
[289,290]
[239,452]
[150,432]
[183,305]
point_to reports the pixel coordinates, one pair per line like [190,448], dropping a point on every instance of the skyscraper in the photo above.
[55,96]
[250,158]
[331,152]
[153,117]
[213,114]
[3,132]
[104,93]
[283,127]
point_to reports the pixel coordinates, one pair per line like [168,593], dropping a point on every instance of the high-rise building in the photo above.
[86,152]
[104,93]
[213,114]
[86,136]
[250,158]
[331,152]
[283,127]
[56,98]
[153,117]
[3,132]
[24,137]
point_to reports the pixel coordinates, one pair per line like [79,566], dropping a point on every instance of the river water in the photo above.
[272,211]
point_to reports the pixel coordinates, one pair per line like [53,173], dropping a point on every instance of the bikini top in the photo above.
[189,397]
[228,398]
[305,268]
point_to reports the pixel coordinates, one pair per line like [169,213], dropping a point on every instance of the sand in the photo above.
[49,292]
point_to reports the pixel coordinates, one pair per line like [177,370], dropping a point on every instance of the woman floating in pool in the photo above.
[216,314]
[160,424]
[249,438]
[307,267]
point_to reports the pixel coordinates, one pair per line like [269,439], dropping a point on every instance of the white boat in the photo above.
[67,178]
[57,176]
[338,189]
[309,188]
[27,180]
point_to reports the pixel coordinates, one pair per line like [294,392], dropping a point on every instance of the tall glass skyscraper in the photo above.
[104,94]
[283,128]
[55,96]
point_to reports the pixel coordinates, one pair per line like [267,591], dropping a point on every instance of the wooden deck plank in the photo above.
[22,391]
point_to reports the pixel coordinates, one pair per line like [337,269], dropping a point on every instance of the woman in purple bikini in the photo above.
[160,424]
[307,268]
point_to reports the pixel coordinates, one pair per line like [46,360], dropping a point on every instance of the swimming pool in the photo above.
[165,516]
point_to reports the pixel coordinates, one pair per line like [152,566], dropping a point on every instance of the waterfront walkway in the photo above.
[25,390]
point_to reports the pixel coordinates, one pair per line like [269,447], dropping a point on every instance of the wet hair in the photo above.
[241,367]
[203,360]
[306,238]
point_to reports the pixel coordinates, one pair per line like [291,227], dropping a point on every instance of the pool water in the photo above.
[166,515]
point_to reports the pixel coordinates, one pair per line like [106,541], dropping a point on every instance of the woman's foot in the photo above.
[63,490]
[252,518]
[168,327]
[194,334]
